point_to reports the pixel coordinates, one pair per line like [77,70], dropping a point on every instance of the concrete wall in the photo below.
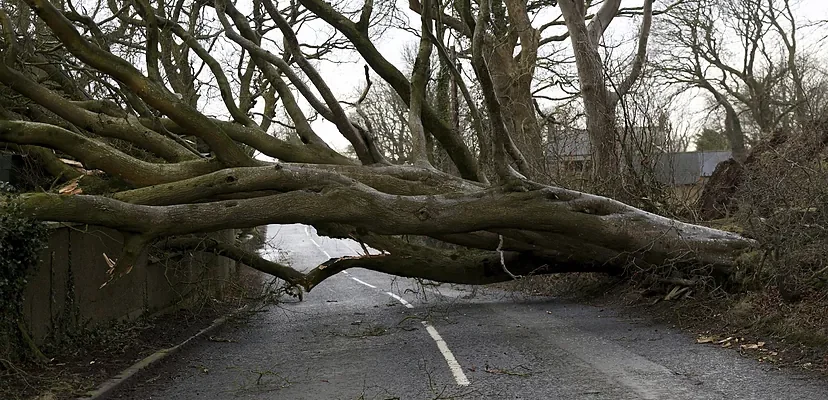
[64,293]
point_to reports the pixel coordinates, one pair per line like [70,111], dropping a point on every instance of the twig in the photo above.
[502,260]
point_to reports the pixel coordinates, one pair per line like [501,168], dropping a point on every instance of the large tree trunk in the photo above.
[512,76]
[599,105]
[159,190]
[513,86]
[545,229]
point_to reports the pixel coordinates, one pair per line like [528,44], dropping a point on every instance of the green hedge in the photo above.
[21,241]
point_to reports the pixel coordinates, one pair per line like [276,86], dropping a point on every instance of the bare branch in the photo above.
[450,140]
[337,114]
[419,79]
[96,155]
[158,97]
[640,55]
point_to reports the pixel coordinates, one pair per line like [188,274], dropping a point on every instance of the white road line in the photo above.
[402,300]
[307,232]
[454,366]
[364,283]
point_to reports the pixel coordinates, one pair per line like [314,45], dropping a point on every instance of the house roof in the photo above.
[687,167]
[679,168]
[569,144]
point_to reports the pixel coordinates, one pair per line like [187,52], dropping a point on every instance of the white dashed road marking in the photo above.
[402,300]
[454,366]
[307,232]
[365,283]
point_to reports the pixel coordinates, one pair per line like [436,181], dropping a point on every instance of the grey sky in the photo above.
[345,78]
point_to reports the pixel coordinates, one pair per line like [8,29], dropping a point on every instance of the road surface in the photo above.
[366,335]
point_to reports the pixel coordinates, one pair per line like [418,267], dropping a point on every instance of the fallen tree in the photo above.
[170,171]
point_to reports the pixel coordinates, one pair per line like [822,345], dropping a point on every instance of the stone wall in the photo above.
[64,293]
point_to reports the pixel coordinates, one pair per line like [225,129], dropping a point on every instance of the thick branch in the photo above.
[338,116]
[156,96]
[599,24]
[215,68]
[450,140]
[122,126]
[50,162]
[497,122]
[472,267]
[447,20]
[596,220]
[640,55]
[235,253]
[398,180]
[365,16]
[261,141]
[250,41]
[419,80]
[96,155]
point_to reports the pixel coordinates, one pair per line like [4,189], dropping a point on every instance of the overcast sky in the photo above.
[346,78]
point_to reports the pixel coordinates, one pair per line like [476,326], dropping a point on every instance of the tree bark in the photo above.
[599,110]
[492,232]
[512,76]
[605,224]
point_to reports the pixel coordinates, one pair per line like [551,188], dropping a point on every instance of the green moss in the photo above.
[749,259]
[101,185]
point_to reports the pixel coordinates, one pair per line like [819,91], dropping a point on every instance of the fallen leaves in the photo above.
[752,346]
[706,339]
[744,347]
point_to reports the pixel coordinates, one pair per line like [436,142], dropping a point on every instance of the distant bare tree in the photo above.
[743,53]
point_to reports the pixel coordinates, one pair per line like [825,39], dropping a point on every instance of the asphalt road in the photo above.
[365,335]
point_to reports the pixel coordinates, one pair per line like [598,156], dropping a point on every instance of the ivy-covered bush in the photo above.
[21,240]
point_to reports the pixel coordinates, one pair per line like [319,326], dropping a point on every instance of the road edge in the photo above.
[124,376]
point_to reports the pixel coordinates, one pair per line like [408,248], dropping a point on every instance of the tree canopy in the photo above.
[152,118]
[710,140]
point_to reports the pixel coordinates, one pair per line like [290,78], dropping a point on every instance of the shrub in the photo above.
[21,240]
[782,203]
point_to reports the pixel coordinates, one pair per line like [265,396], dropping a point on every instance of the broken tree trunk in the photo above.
[542,229]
